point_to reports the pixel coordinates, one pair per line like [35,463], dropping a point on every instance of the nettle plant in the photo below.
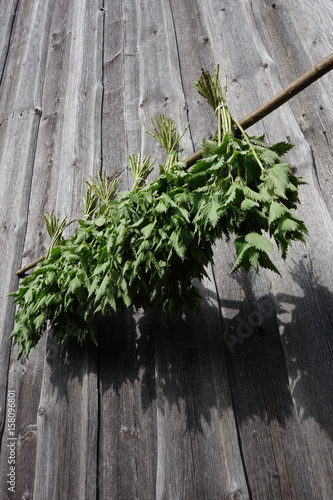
[143,248]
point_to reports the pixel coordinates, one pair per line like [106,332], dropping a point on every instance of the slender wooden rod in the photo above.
[26,268]
[316,72]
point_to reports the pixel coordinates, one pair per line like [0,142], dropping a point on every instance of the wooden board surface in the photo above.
[237,403]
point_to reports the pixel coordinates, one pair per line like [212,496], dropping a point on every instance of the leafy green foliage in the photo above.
[144,248]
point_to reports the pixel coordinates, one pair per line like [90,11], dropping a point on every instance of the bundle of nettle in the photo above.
[143,248]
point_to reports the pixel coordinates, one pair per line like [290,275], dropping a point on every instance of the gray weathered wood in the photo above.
[20,100]
[236,403]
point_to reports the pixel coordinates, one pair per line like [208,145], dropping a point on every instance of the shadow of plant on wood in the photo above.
[307,337]
[177,381]
[191,365]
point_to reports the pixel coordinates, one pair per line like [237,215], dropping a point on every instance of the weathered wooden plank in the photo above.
[161,89]
[295,427]
[179,474]
[114,146]
[212,469]
[70,140]
[198,449]
[64,131]
[25,379]
[278,439]
[150,38]
[127,433]
[267,421]
[7,16]
[67,424]
[195,52]
[126,364]
[306,324]
[21,92]
[313,40]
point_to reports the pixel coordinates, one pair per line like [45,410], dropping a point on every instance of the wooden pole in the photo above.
[26,268]
[316,72]
[275,102]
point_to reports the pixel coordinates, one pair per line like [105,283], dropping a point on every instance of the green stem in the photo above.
[249,144]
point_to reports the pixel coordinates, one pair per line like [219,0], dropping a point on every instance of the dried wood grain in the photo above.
[289,437]
[70,140]
[20,97]
[127,422]
[238,402]
[197,440]
[127,431]
[67,425]
[66,151]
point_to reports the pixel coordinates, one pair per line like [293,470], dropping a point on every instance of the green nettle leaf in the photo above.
[254,195]
[265,261]
[208,214]
[279,179]
[276,211]
[100,221]
[254,256]
[259,242]
[242,249]
[40,321]
[231,193]
[94,285]
[208,148]
[248,204]
[74,285]
[148,230]
[160,207]
[143,248]
[252,169]
[288,225]
[177,245]
[269,157]
[212,214]
[102,288]
[281,148]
